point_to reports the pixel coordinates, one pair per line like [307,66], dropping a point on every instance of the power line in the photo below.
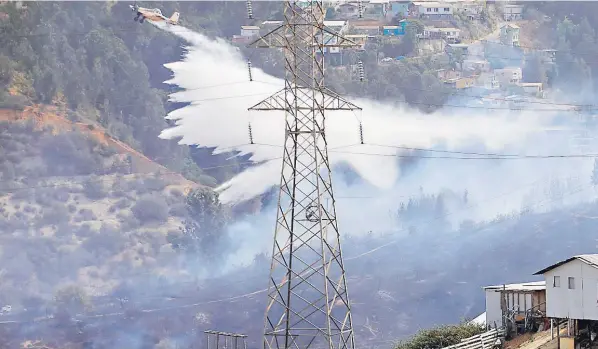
[478,156]
[482,156]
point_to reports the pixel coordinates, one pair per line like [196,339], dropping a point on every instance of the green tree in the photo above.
[441,336]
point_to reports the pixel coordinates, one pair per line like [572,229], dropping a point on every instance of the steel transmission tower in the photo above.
[308,304]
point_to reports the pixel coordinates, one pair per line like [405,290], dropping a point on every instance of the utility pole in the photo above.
[308,304]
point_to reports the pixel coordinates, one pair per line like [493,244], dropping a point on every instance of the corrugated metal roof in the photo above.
[589,259]
[335,23]
[527,286]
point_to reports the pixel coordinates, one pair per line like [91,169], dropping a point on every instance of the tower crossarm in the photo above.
[280,37]
[332,101]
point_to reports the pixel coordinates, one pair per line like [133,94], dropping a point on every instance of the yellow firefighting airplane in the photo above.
[154,15]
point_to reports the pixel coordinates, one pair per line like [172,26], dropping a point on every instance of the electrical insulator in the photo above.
[249,10]
[360,8]
[249,70]
[250,134]
[360,68]
[361,132]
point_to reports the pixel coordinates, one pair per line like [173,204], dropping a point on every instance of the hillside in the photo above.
[72,188]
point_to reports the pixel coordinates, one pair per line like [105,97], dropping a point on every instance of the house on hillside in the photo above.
[488,81]
[451,35]
[395,30]
[366,27]
[460,83]
[508,76]
[548,55]
[348,10]
[509,34]
[471,7]
[476,65]
[572,288]
[532,89]
[514,302]
[512,12]
[457,49]
[399,8]
[250,31]
[434,10]
[447,75]
[572,294]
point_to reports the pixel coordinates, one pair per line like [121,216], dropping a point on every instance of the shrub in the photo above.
[55,214]
[128,222]
[440,337]
[83,231]
[94,190]
[176,193]
[86,214]
[151,209]
[154,184]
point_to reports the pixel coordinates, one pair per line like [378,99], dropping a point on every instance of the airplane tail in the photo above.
[174,19]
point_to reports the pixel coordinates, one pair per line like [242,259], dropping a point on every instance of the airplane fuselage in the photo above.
[154,15]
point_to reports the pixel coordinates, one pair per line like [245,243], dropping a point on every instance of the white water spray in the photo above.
[214,77]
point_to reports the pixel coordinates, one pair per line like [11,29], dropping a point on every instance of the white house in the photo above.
[508,76]
[517,297]
[488,81]
[512,12]
[250,30]
[572,288]
[532,88]
[434,10]
[476,64]
[450,34]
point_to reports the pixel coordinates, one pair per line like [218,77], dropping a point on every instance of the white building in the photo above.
[476,64]
[434,10]
[532,89]
[518,297]
[508,76]
[572,288]
[488,81]
[512,12]
[250,30]
[450,34]
[271,25]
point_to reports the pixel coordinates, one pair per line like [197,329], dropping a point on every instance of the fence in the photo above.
[485,340]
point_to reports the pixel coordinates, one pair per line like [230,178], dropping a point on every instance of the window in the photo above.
[571,283]
[428,10]
[436,9]
[556,281]
[446,9]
